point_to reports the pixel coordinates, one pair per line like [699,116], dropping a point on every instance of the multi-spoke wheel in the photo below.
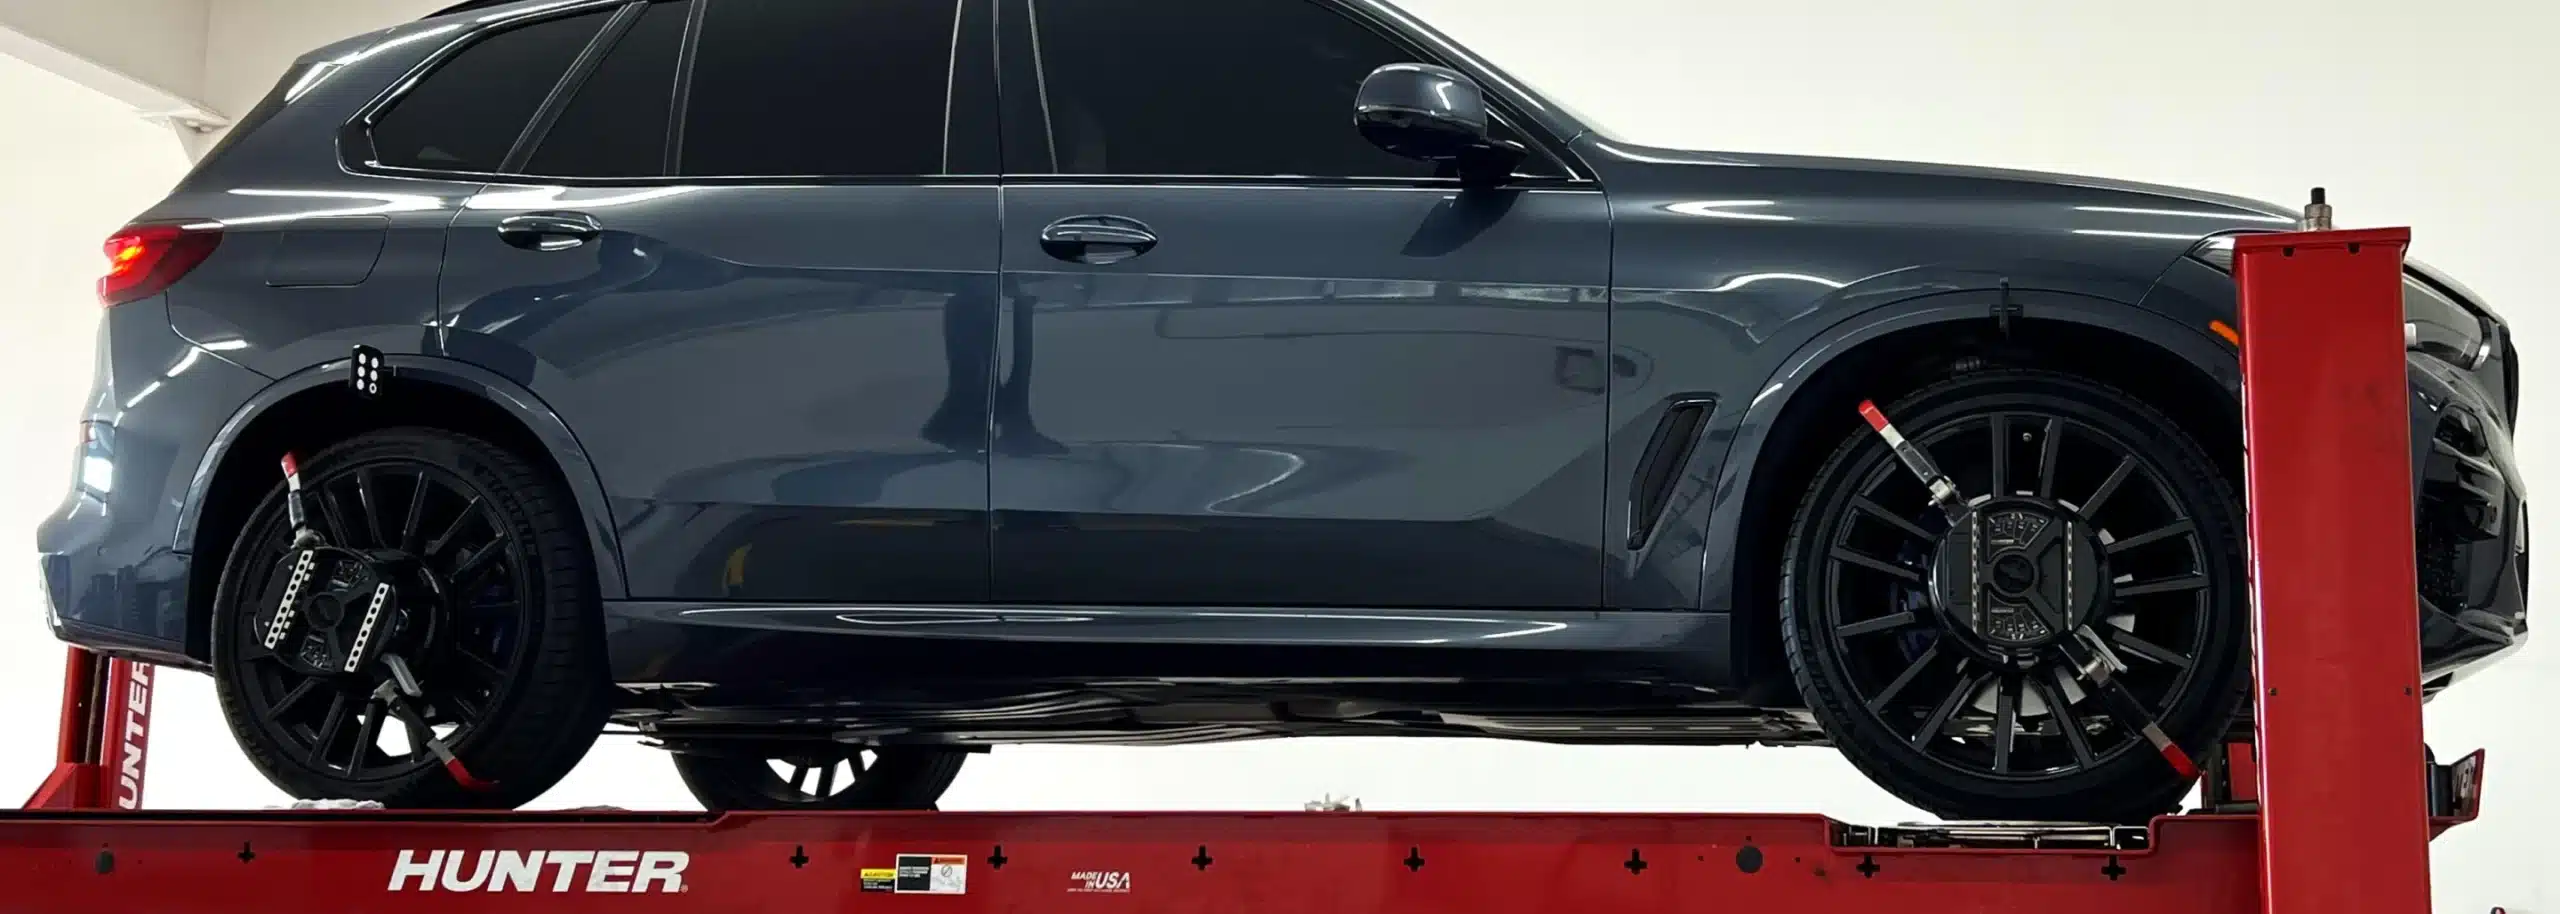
[815,776]
[440,604]
[2050,644]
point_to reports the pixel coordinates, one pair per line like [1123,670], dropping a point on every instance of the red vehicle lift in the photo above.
[2329,783]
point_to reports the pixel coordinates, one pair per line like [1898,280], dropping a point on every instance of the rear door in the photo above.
[748,253]
[1250,359]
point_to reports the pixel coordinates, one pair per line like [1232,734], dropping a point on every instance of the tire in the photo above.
[903,778]
[493,610]
[1916,685]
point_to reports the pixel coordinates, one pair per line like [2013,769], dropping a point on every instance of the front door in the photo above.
[753,265]
[1249,359]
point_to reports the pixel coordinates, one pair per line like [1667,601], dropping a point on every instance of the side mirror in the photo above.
[1435,114]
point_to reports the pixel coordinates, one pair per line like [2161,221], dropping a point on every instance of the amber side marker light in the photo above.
[2224,330]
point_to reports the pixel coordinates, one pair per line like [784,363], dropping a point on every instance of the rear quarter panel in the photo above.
[315,259]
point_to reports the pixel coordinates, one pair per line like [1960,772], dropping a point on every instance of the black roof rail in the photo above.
[466,7]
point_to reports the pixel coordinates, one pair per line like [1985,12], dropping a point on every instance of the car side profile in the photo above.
[831,390]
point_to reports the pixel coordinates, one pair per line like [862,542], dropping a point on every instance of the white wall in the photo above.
[76,167]
[203,63]
[2428,115]
[135,49]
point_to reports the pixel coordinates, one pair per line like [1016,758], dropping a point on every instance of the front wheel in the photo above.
[2026,655]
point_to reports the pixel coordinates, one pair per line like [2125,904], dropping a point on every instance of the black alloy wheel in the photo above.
[1954,655]
[816,775]
[447,600]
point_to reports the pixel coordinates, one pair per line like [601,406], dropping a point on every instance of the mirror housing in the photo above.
[1434,114]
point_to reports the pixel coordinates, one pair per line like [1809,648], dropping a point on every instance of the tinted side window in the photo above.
[1183,87]
[466,115]
[802,88]
[616,124]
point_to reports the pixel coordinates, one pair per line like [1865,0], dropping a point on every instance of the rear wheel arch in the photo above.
[1892,350]
[313,408]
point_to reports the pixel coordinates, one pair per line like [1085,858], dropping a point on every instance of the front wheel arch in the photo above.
[2183,371]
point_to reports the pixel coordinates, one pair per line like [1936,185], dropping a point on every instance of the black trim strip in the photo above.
[562,92]
[951,80]
[677,110]
[1675,438]
[1040,81]
[1518,183]
[686,180]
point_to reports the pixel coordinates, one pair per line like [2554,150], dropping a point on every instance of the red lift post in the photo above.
[103,738]
[2325,393]
[2336,765]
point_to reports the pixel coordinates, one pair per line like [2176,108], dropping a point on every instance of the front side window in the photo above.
[467,113]
[787,88]
[1247,88]
[615,126]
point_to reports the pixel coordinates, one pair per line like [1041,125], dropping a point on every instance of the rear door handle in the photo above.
[1096,239]
[549,231]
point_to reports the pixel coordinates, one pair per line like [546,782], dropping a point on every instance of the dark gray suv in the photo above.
[829,390]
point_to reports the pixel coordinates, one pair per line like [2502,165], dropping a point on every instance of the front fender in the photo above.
[1723,536]
[557,441]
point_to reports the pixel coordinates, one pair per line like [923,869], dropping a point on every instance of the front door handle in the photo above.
[1096,239]
[549,231]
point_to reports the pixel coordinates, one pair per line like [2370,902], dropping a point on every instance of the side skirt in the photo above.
[1183,674]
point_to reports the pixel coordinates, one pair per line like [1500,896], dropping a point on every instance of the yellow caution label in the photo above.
[879,879]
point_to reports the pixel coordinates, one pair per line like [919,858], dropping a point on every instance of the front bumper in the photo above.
[2470,514]
[2467,493]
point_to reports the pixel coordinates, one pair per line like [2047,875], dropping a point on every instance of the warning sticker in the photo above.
[932,874]
[879,879]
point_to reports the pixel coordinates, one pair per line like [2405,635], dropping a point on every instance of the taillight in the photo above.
[145,260]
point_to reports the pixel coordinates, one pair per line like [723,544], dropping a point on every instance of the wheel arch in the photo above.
[314,407]
[1808,405]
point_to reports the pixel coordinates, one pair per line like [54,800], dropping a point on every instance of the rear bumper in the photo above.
[115,577]
[2473,553]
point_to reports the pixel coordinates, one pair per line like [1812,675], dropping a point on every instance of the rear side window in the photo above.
[1185,87]
[467,114]
[788,88]
[616,124]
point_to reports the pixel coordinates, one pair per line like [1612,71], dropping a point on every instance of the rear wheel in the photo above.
[817,776]
[445,561]
[1945,657]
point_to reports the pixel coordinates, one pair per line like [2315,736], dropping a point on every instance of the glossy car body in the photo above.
[1362,455]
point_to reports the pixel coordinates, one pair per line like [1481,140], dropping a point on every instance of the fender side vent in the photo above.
[1658,471]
